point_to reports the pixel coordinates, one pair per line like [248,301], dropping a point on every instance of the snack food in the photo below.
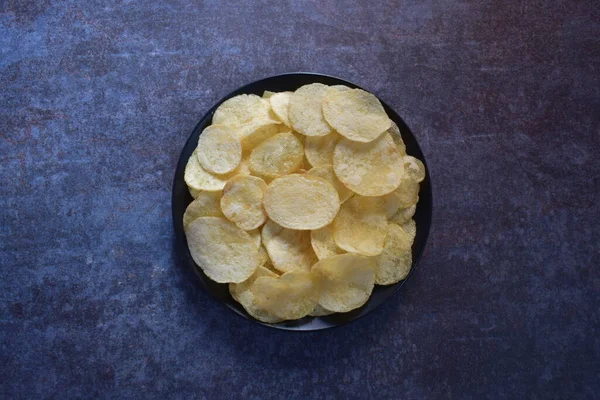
[303,201]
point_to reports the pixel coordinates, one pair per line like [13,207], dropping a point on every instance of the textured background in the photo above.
[97,100]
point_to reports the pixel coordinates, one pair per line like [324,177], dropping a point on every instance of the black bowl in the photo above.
[181,198]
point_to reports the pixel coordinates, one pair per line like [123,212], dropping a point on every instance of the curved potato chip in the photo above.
[242,109]
[256,132]
[414,168]
[195,192]
[355,114]
[199,179]
[405,195]
[269,231]
[223,251]
[279,104]
[206,204]
[361,225]
[301,202]
[394,262]
[323,243]
[326,172]
[305,111]
[219,149]
[242,201]
[267,94]
[279,155]
[369,169]
[319,149]
[291,296]
[336,88]
[319,311]
[255,235]
[394,132]
[346,281]
[291,250]
[410,227]
[242,293]
[403,215]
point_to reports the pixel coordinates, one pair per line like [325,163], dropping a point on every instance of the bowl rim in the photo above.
[181,243]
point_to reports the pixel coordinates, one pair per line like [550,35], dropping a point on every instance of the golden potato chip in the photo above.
[242,201]
[242,109]
[279,104]
[242,293]
[394,132]
[280,155]
[369,169]
[336,88]
[361,225]
[414,168]
[403,215]
[394,262]
[267,94]
[405,195]
[291,296]
[319,149]
[225,252]
[219,149]
[256,132]
[410,227]
[319,311]
[326,172]
[199,179]
[305,110]
[346,281]
[206,204]
[355,114]
[195,192]
[270,230]
[323,243]
[255,235]
[301,202]
[291,250]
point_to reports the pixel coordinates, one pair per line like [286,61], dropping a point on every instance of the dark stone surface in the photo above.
[98,98]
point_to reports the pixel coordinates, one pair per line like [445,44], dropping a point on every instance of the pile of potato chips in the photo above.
[303,201]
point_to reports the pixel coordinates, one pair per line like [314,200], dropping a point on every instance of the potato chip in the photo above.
[305,110]
[414,168]
[263,256]
[256,132]
[369,169]
[195,192]
[336,88]
[301,202]
[346,281]
[199,179]
[269,231]
[323,243]
[242,109]
[291,296]
[242,201]
[319,311]
[206,204]
[291,250]
[410,227]
[403,215]
[219,149]
[394,132]
[280,155]
[242,293]
[405,195]
[225,252]
[267,94]
[319,149]
[326,172]
[255,235]
[279,104]
[394,262]
[361,225]
[355,114]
